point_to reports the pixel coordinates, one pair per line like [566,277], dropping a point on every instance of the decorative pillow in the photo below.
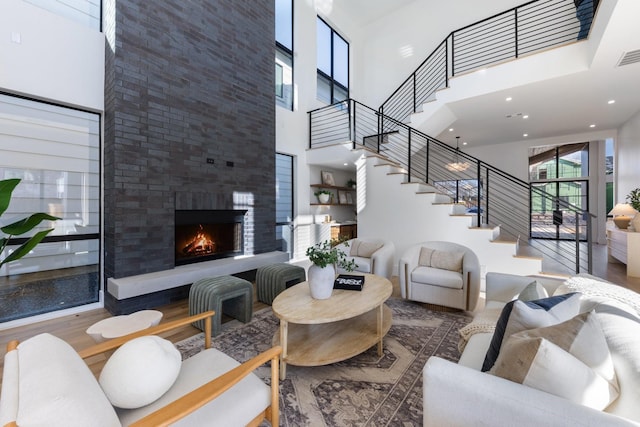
[354,245]
[140,372]
[425,257]
[570,360]
[622,331]
[367,249]
[444,260]
[519,315]
[447,260]
[533,291]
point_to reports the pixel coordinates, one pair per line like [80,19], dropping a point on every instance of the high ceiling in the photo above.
[560,106]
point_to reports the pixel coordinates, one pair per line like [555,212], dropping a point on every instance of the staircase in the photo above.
[413,211]
[409,187]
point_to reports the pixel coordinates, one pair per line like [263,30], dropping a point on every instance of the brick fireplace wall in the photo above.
[189,123]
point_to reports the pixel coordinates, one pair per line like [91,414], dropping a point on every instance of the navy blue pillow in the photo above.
[546,304]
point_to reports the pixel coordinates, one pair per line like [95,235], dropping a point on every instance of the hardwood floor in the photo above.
[72,328]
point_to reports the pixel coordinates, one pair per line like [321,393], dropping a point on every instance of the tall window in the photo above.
[284,203]
[284,53]
[333,64]
[55,152]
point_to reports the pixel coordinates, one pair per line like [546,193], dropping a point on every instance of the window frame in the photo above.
[288,53]
[330,79]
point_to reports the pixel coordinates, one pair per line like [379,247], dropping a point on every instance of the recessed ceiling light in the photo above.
[465,143]
[612,101]
[508,99]
[450,129]
[525,135]
[346,164]
[592,126]
[526,116]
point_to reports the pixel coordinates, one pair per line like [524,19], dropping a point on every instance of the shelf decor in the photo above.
[327,178]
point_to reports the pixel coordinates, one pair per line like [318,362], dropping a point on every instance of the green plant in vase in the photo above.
[324,196]
[20,227]
[325,256]
[634,200]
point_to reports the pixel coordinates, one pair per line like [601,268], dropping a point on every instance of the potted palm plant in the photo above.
[325,256]
[19,227]
[634,200]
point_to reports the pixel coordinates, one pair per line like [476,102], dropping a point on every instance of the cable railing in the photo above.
[523,30]
[492,197]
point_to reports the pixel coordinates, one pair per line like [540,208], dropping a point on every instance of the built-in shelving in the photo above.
[335,190]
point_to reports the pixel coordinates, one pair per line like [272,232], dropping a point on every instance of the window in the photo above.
[284,54]
[284,203]
[55,151]
[333,64]
[558,174]
[609,148]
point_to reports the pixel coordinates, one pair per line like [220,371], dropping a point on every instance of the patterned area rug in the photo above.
[365,390]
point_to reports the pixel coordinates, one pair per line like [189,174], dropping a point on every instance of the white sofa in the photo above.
[47,383]
[461,395]
[371,255]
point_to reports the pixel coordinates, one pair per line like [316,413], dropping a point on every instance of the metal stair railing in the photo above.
[495,197]
[523,30]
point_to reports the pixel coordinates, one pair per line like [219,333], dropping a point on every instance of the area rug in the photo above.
[365,390]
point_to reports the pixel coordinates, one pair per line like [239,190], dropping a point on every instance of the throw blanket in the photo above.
[484,322]
[594,287]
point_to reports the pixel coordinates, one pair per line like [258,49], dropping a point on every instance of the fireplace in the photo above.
[203,235]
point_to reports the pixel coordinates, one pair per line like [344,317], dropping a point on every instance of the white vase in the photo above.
[321,281]
[324,198]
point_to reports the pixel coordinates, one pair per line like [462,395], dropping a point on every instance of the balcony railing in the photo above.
[492,196]
[523,30]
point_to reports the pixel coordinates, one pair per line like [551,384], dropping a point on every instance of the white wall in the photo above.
[627,159]
[50,57]
[392,47]
[292,127]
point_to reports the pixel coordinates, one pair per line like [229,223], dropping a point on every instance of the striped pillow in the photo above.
[519,316]
[570,360]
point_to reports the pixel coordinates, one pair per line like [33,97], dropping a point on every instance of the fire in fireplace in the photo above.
[203,235]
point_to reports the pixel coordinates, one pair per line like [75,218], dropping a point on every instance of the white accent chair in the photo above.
[372,255]
[46,382]
[432,284]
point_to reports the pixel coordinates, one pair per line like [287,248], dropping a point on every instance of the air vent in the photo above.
[629,58]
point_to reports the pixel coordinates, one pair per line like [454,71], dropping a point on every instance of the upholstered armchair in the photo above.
[440,273]
[373,256]
[46,382]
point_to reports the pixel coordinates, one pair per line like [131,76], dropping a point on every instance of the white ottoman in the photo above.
[118,326]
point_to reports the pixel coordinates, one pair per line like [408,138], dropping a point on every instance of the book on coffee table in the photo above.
[349,282]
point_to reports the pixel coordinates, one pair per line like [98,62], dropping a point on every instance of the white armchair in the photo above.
[440,273]
[373,256]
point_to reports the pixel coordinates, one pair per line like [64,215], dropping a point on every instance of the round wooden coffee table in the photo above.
[319,332]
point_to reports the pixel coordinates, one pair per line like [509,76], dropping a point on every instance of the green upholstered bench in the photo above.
[275,278]
[224,294]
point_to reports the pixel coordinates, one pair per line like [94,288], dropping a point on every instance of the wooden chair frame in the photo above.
[202,395]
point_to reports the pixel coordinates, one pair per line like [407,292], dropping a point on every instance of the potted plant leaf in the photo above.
[19,227]
[325,256]
[634,200]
